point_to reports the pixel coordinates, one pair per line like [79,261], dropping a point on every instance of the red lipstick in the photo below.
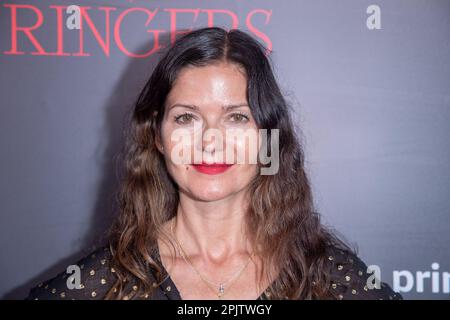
[212,168]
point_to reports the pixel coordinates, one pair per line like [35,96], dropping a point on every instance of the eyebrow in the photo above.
[225,107]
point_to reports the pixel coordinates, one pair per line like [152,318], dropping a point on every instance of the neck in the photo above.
[212,231]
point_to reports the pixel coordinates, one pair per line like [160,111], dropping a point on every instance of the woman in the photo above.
[214,228]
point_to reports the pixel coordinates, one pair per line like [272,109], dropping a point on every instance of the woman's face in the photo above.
[207,120]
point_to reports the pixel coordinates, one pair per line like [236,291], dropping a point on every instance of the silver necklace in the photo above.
[221,288]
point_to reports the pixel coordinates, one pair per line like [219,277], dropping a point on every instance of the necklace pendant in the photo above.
[221,290]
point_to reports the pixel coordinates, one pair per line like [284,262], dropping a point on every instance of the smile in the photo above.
[214,168]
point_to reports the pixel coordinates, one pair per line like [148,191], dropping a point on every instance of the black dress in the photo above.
[348,281]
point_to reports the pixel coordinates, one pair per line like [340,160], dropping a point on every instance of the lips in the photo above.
[214,168]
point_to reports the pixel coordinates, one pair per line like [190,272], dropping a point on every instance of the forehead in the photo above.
[217,82]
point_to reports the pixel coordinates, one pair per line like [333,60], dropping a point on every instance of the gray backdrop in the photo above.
[373,106]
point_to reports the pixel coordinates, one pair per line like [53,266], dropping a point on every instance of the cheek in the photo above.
[178,145]
[244,147]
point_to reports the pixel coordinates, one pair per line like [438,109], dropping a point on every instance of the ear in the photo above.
[158,144]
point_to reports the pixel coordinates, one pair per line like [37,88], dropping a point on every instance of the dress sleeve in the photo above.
[350,280]
[96,278]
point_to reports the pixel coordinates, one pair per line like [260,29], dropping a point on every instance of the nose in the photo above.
[210,139]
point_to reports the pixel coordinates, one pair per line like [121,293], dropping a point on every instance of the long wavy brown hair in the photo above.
[280,220]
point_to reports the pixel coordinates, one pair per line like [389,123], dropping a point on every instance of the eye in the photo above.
[184,118]
[239,117]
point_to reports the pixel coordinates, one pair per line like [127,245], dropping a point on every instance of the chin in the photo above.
[212,191]
[205,192]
